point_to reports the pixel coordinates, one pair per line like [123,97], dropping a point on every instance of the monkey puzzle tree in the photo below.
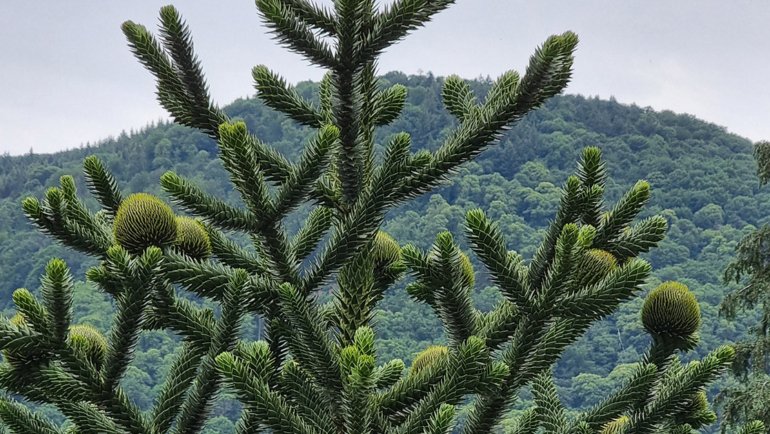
[316,371]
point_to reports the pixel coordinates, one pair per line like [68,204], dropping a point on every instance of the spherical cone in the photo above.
[671,313]
[616,426]
[386,250]
[428,357]
[192,238]
[89,343]
[142,221]
[594,266]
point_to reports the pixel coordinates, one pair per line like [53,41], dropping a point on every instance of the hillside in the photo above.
[703,182]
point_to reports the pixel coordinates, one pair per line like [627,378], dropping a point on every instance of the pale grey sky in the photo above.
[67,77]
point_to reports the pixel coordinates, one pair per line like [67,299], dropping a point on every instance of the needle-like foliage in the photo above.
[316,370]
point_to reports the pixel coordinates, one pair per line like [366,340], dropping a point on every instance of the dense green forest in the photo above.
[703,181]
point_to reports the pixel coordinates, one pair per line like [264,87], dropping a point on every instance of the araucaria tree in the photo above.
[316,371]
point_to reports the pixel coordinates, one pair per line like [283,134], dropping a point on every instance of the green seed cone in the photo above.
[428,357]
[142,221]
[594,266]
[386,250]
[192,238]
[89,343]
[672,314]
[385,255]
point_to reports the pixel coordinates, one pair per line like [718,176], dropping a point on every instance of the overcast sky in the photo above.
[67,77]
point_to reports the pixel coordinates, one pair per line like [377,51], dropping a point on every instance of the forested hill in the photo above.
[703,181]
